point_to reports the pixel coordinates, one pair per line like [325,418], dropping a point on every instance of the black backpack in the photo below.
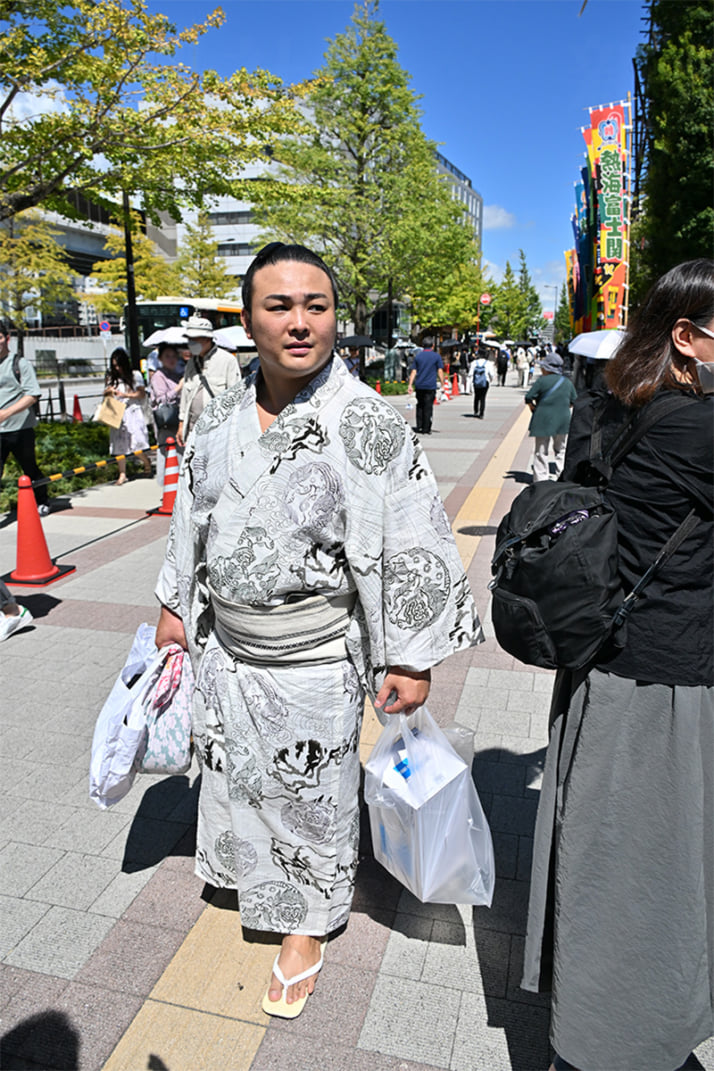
[557,594]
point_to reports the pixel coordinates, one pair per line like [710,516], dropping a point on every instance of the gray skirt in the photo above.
[621,913]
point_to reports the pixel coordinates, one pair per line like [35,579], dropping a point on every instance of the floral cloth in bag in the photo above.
[168,717]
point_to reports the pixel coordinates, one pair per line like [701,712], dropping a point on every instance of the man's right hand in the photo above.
[169,629]
[179,435]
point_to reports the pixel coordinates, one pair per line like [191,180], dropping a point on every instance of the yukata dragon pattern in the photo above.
[336,499]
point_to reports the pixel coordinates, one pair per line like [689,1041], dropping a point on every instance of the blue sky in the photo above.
[505,88]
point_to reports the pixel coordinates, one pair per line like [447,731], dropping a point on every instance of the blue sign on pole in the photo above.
[105,326]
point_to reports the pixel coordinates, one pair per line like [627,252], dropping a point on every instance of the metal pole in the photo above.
[134,351]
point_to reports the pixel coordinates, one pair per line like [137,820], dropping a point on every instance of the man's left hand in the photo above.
[411,688]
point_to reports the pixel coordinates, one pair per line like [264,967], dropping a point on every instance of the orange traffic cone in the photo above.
[77,410]
[455,386]
[378,387]
[34,567]
[171,475]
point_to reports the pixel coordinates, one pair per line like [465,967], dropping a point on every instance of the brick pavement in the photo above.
[113,956]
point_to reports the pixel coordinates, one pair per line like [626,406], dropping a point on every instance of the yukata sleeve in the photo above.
[428,610]
[414,603]
[186,545]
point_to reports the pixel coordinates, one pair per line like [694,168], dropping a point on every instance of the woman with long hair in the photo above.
[132,434]
[621,915]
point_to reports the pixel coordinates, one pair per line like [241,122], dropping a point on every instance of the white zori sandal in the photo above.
[281,1008]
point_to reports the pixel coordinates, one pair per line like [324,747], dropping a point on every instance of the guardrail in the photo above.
[93,465]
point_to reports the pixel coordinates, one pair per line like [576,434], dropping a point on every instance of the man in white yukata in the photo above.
[310,562]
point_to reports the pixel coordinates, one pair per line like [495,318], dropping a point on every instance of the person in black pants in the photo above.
[423,376]
[482,377]
[19,391]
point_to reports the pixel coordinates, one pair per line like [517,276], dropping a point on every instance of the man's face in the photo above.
[4,346]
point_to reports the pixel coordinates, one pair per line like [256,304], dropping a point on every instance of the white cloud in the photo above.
[494,271]
[496,218]
[26,107]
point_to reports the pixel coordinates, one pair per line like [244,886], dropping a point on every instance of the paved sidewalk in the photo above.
[115,956]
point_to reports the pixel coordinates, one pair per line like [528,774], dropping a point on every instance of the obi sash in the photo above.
[303,632]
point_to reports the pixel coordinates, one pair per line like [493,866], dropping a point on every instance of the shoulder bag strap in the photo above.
[630,432]
[688,525]
[555,386]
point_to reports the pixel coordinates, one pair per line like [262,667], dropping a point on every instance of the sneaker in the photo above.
[10,623]
[43,510]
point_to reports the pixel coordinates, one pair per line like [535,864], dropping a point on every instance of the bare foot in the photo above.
[122,479]
[298,954]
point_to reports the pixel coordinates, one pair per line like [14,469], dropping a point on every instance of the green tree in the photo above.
[153,275]
[507,305]
[94,98]
[675,69]
[360,182]
[199,269]
[562,327]
[34,272]
[532,322]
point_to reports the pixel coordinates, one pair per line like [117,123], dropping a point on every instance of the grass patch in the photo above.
[62,446]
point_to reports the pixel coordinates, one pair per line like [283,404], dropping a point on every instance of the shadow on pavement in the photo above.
[518,476]
[46,1042]
[478,530]
[163,825]
[523,1016]
[39,605]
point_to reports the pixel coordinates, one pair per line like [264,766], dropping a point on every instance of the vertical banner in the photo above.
[608,159]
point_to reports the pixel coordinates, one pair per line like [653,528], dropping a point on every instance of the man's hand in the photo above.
[169,629]
[411,687]
[179,434]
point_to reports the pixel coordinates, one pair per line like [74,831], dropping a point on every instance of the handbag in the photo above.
[428,826]
[111,411]
[166,415]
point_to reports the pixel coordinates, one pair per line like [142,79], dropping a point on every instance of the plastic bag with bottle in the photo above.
[428,826]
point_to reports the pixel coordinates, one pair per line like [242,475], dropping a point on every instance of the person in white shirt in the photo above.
[481,375]
[209,372]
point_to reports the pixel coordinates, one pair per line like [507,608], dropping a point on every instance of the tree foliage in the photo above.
[153,275]
[93,97]
[360,183]
[200,271]
[563,330]
[34,271]
[676,71]
[517,308]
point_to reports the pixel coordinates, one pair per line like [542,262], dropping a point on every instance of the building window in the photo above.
[222,218]
[235,249]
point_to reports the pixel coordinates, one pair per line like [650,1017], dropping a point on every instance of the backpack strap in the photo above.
[630,432]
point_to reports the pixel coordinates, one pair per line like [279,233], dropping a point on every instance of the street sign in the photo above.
[105,327]
[485,299]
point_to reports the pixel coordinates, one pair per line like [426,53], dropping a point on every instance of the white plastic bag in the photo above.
[428,827]
[121,725]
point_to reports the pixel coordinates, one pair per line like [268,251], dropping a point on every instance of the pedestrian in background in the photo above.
[502,366]
[427,367]
[19,392]
[522,367]
[13,617]
[482,376]
[165,392]
[550,400]
[309,561]
[132,434]
[464,384]
[621,914]
[210,371]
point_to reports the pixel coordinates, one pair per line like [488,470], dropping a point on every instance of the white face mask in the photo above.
[705,375]
[195,346]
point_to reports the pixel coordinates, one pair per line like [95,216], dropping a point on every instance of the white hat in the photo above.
[197,327]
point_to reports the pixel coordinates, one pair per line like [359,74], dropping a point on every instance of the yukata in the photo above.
[333,515]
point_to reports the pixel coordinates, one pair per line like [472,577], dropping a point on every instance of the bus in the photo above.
[172,311]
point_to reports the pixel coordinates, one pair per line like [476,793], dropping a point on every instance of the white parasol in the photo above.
[233,338]
[598,345]
[173,335]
